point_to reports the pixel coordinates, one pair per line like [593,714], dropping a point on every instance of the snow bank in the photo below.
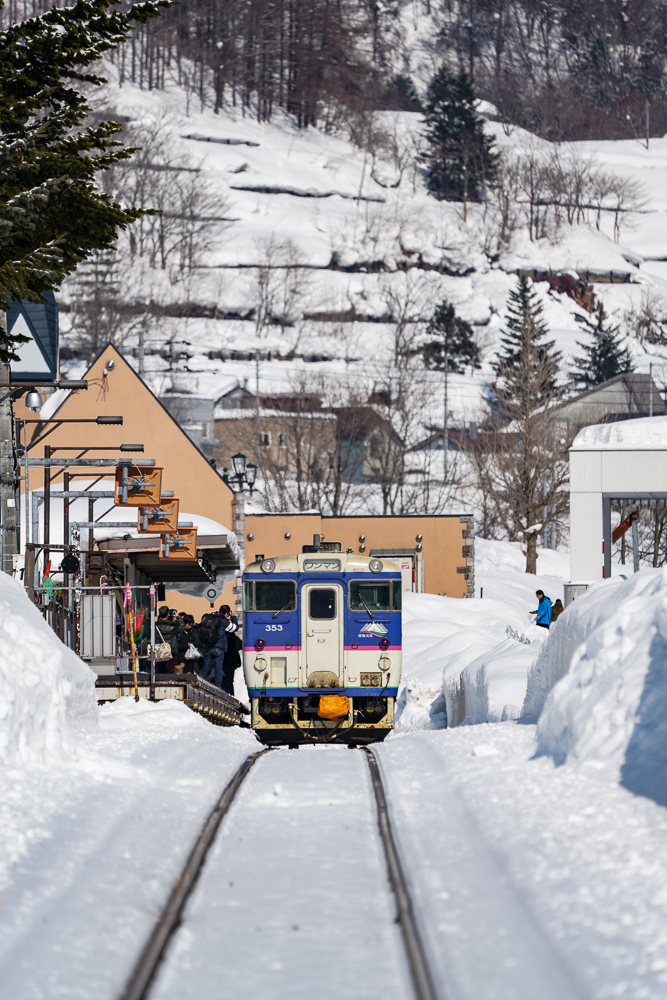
[463,661]
[610,709]
[45,689]
[500,571]
[643,433]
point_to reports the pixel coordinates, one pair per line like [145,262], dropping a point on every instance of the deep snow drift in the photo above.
[468,660]
[45,689]
[608,707]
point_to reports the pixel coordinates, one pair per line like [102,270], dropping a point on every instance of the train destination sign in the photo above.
[322,565]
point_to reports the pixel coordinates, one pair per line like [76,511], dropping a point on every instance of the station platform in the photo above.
[208,700]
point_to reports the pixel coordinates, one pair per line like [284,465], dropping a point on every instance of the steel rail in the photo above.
[147,965]
[422,979]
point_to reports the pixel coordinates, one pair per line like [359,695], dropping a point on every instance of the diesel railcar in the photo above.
[322,646]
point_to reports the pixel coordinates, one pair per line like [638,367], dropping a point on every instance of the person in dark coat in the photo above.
[232,660]
[557,609]
[187,638]
[167,630]
[213,645]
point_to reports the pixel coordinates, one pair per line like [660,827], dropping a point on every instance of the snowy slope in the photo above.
[353,232]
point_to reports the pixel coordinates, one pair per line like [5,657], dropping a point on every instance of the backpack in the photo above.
[209,629]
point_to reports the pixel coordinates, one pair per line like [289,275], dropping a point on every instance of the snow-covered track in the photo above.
[317,777]
[151,956]
[414,946]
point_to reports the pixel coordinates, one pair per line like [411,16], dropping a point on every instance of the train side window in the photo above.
[374,593]
[247,595]
[275,595]
[396,595]
[322,603]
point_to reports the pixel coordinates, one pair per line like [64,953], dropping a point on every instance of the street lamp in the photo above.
[243,477]
[239,463]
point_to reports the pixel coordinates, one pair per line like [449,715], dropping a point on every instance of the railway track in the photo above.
[161,942]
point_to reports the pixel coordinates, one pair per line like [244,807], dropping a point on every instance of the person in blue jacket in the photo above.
[543,610]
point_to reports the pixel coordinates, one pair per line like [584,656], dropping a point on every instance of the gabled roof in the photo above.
[149,421]
[636,384]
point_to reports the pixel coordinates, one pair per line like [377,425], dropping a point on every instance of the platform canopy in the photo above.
[216,563]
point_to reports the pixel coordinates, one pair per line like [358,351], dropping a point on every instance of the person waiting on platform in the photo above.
[232,658]
[167,630]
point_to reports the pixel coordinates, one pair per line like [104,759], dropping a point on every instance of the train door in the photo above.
[322,621]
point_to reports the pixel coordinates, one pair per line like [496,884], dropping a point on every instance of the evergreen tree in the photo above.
[527,366]
[523,473]
[604,358]
[461,157]
[453,346]
[52,214]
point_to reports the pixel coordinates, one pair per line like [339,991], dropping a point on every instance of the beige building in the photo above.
[116,389]
[439,548]
[444,544]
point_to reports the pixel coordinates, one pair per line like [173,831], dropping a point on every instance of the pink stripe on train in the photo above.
[271,649]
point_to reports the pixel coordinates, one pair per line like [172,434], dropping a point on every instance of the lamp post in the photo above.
[241,479]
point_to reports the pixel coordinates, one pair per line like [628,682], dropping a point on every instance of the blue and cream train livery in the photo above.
[322,646]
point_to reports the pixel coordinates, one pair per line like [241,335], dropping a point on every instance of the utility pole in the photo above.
[545,487]
[445,425]
[257,408]
[9,527]
[648,120]
[650,389]
[238,512]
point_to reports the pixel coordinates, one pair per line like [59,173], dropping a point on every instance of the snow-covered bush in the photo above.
[45,689]
[610,709]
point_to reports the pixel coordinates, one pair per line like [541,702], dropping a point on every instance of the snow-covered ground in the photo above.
[469,660]
[92,844]
[536,855]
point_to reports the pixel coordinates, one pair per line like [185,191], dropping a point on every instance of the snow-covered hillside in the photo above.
[361,240]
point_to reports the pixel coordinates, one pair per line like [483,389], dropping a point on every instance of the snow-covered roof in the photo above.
[642,434]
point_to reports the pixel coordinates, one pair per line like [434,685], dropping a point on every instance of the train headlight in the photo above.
[268,566]
[260,643]
[384,643]
[375,565]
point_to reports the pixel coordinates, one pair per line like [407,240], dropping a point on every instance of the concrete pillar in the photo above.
[586,534]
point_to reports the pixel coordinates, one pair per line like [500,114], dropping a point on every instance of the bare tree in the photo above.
[189,214]
[281,287]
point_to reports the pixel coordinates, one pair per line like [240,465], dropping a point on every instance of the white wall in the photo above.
[605,470]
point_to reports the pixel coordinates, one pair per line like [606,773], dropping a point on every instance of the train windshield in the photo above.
[275,595]
[373,594]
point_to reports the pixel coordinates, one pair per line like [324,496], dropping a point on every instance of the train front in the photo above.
[322,646]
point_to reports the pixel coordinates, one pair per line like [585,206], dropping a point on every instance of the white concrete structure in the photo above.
[618,461]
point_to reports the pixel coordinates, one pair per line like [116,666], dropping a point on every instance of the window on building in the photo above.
[205,429]
[282,440]
[264,439]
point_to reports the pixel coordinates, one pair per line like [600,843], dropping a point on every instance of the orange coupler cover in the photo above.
[333,706]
